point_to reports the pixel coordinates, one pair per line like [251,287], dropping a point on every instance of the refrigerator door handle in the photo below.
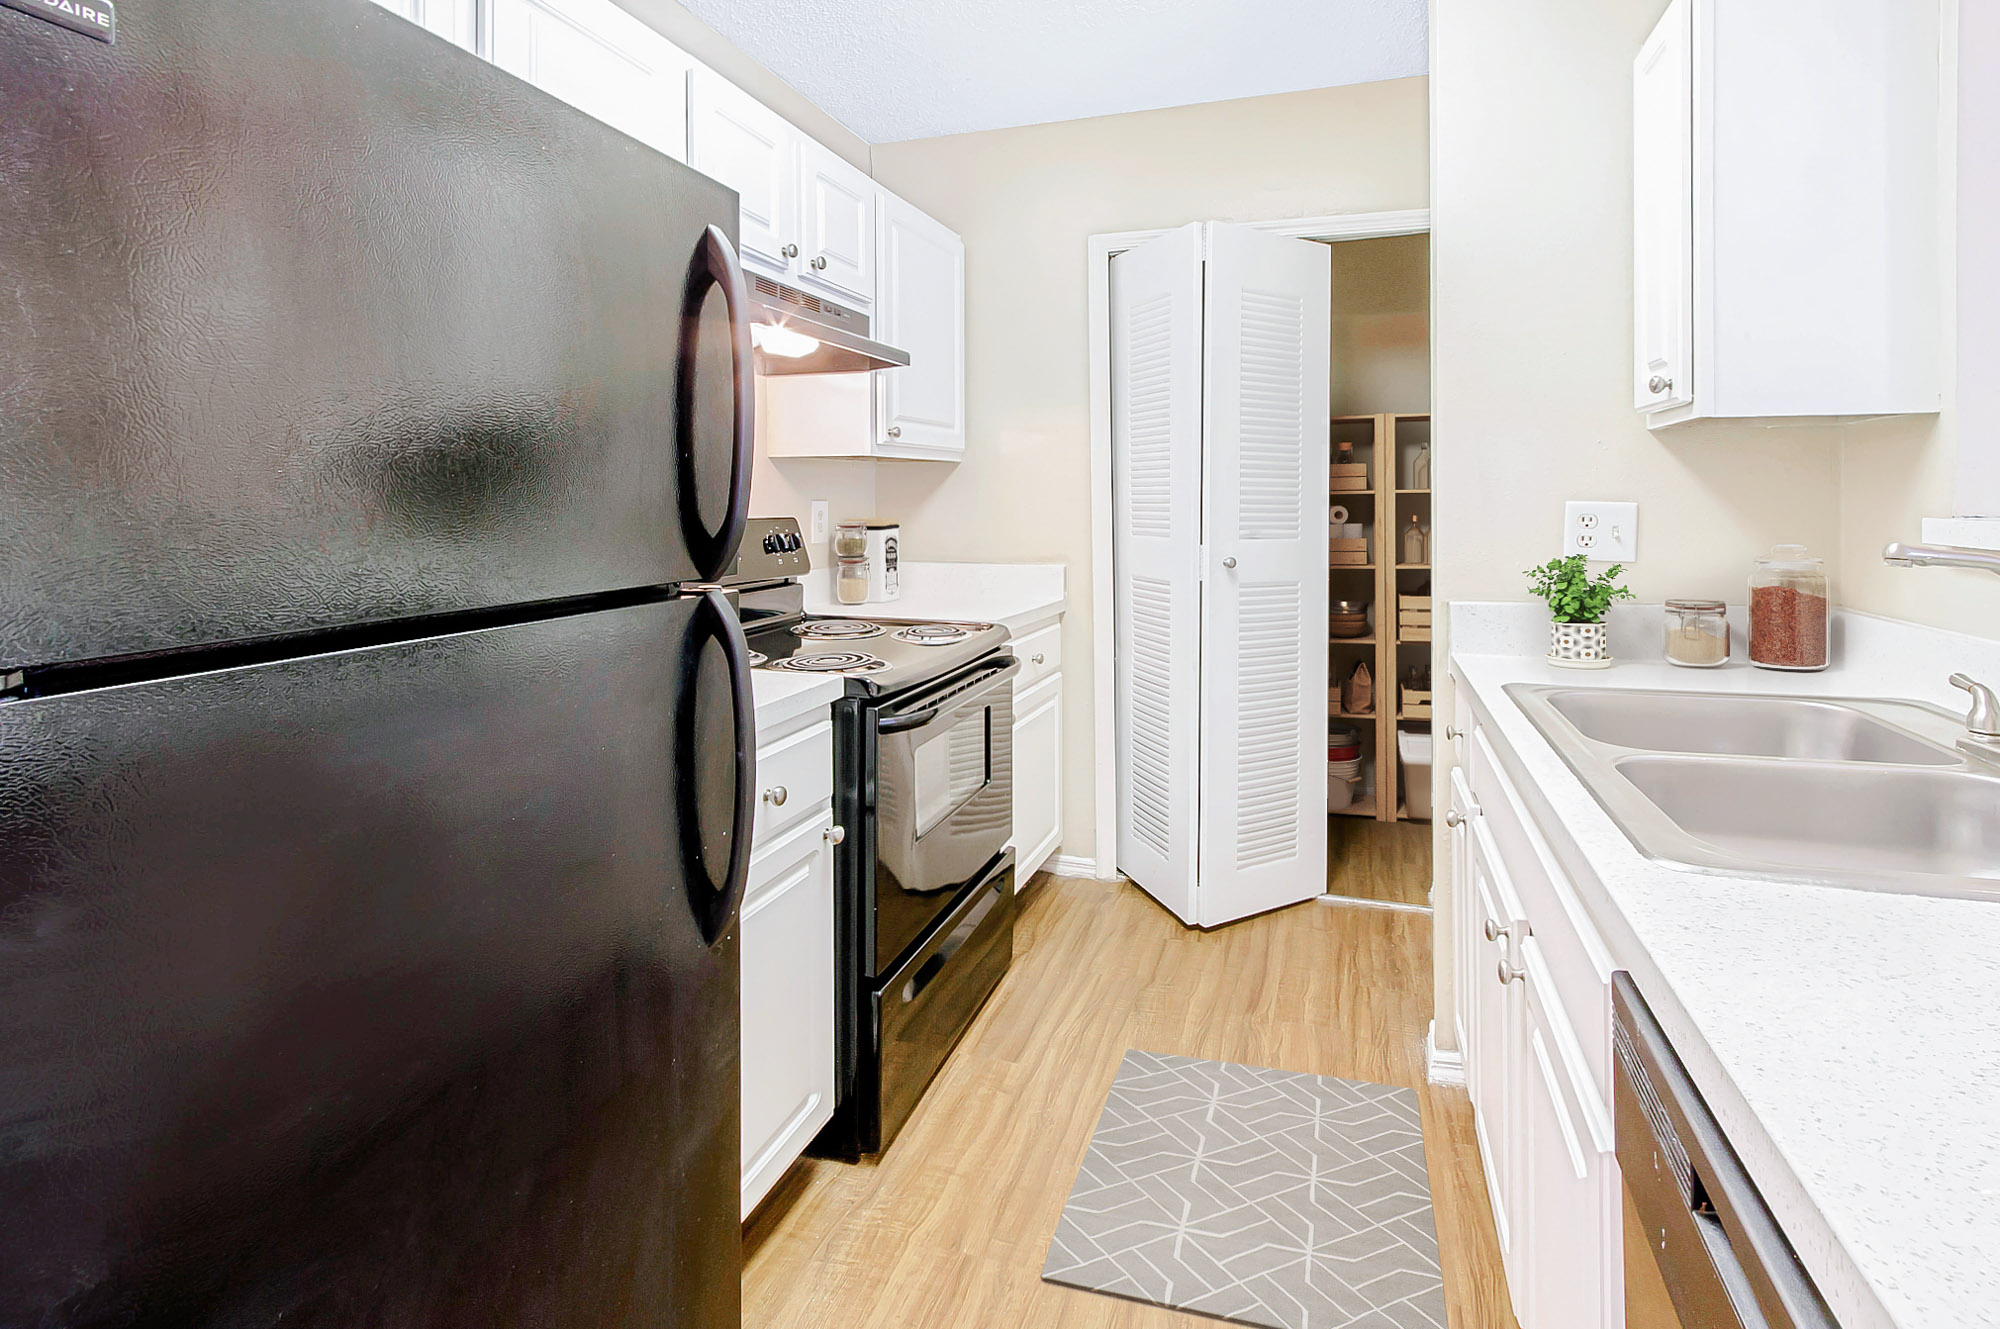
[714,898]
[715,265]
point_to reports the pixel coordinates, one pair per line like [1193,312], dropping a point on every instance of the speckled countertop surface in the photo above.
[1848,1040]
[780,696]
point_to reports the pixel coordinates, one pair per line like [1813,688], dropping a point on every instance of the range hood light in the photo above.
[777,339]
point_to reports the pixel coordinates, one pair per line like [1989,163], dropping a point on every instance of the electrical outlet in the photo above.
[1606,532]
[820,521]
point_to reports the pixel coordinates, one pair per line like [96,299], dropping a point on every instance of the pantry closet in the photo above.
[1379,570]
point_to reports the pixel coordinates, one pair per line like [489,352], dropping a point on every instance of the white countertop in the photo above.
[1018,596]
[781,697]
[1848,1040]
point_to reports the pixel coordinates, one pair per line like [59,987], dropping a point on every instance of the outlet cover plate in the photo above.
[820,522]
[1603,532]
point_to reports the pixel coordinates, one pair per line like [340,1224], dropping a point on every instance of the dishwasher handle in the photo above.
[1722,1255]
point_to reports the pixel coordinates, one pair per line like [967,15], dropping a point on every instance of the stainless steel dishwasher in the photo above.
[1702,1251]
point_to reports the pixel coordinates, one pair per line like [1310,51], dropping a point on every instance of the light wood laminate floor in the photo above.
[950,1228]
[1387,861]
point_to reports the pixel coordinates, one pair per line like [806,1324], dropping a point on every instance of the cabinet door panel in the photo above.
[601,60]
[920,308]
[788,1018]
[1499,1034]
[457,21]
[1663,213]
[1566,1168]
[1037,776]
[738,140]
[837,203]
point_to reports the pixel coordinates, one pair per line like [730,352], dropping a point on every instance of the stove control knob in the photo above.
[793,542]
[771,543]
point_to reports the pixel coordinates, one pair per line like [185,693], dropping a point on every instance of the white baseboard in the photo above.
[1069,865]
[1440,1066]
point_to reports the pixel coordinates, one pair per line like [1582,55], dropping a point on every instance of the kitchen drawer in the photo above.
[1040,654]
[794,782]
[1579,965]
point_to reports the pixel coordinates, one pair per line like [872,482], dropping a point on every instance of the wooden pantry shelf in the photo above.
[1413,567]
[1363,808]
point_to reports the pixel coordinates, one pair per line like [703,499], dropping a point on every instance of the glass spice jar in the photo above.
[1697,633]
[1790,627]
[851,581]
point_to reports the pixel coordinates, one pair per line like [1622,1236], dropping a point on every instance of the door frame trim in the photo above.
[1103,682]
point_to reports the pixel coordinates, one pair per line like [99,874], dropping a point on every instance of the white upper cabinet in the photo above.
[734,138]
[457,21]
[1663,213]
[836,225]
[920,308]
[601,60]
[1786,187]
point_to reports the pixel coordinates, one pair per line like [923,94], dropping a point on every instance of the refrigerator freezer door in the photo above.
[313,320]
[367,988]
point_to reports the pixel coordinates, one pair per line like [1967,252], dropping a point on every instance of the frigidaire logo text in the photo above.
[93,18]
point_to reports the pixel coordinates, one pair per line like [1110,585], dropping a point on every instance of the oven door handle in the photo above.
[903,724]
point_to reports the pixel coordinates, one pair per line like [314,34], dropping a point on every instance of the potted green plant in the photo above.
[1577,604]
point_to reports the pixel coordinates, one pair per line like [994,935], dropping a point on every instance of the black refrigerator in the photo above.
[374,801]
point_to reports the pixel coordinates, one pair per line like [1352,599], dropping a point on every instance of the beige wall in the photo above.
[1382,325]
[727,59]
[1026,201]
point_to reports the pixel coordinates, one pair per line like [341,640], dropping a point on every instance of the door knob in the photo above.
[1658,384]
[776,795]
[1228,562]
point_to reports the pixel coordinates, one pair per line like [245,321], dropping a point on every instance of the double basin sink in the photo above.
[1862,793]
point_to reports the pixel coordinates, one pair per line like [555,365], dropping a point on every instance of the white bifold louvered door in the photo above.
[1156,524]
[1220,384]
[1266,386]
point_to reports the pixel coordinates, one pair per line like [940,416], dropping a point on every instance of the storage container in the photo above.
[1790,627]
[1415,750]
[1697,633]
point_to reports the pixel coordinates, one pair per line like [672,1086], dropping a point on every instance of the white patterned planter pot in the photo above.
[1579,645]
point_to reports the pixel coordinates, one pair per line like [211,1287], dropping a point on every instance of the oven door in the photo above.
[941,787]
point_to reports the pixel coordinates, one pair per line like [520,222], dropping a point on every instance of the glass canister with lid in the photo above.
[1697,633]
[1790,627]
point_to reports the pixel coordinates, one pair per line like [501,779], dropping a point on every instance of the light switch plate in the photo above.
[820,520]
[1605,532]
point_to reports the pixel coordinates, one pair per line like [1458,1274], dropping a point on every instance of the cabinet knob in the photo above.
[1228,562]
[776,795]
[836,834]
[1038,658]
[1510,973]
[895,431]
[1658,384]
[1456,819]
[1453,732]
[1494,930]
[790,251]
[819,263]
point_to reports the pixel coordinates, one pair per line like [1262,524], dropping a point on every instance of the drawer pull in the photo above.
[1039,658]
[1494,931]
[1510,973]
[1452,731]
[1456,819]
[836,834]
[776,795]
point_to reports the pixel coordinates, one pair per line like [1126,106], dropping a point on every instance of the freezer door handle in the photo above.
[716,775]
[715,266]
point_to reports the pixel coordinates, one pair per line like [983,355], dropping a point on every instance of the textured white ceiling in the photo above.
[901,69]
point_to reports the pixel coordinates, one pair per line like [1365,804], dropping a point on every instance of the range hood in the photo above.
[798,333]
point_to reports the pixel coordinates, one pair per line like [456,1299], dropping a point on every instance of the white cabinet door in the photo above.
[1156,535]
[457,21]
[1037,776]
[1266,371]
[734,138]
[601,60]
[787,953]
[1663,213]
[1571,1222]
[837,226]
[920,308]
[1465,902]
[1498,1035]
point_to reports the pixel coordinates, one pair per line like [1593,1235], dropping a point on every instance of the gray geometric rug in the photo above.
[1265,1197]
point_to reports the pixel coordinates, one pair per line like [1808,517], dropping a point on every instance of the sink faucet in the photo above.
[1900,555]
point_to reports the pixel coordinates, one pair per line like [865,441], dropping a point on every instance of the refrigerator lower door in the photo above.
[372,988]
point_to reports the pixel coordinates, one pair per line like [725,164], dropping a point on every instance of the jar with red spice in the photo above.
[1789,626]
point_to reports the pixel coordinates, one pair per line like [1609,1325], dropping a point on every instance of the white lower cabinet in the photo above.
[1533,993]
[1038,785]
[787,949]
